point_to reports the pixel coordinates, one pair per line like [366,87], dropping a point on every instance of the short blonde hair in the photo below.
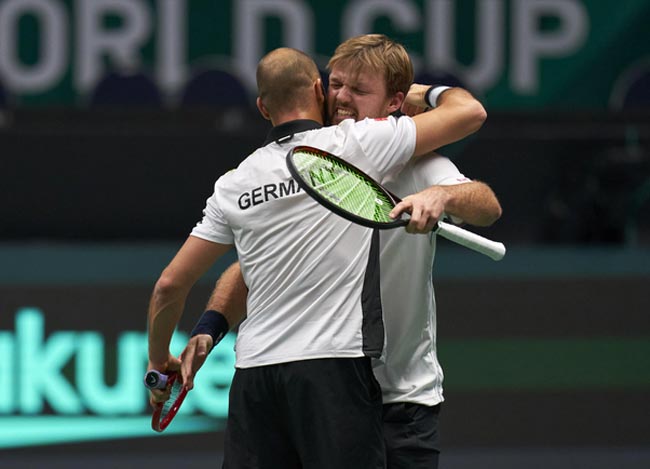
[380,54]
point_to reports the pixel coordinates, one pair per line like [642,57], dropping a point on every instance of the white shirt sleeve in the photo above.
[436,170]
[388,142]
[214,226]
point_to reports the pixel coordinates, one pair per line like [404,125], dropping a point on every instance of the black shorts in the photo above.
[309,414]
[411,436]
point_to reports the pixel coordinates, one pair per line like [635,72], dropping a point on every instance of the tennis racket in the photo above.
[352,194]
[164,412]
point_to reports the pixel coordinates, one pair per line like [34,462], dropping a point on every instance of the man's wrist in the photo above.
[158,360]
[433,93]
[212,323]
[157,365]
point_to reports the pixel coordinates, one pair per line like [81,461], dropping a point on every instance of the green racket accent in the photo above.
[343,185]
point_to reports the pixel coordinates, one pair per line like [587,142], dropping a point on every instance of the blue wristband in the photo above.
[212,323]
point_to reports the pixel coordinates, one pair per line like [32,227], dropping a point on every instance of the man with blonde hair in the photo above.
[369,77]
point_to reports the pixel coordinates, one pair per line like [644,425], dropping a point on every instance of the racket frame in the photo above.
[159,421]
[332,206]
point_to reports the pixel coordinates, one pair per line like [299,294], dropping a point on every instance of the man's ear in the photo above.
[319,89]
[262,109]
[395,102]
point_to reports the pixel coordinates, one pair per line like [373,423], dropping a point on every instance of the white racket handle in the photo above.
[493,249]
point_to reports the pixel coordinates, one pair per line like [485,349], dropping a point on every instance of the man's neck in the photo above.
[284,132]
[296,115]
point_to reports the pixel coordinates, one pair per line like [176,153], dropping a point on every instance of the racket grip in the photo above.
[493,249]
[155,380]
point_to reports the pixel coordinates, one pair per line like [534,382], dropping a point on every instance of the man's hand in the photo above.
[426,208]
[194,356]
[414,102]
[157,396]
[412,110]
[415,96]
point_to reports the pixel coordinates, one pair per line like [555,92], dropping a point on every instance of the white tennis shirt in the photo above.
[312,275]
[411,371]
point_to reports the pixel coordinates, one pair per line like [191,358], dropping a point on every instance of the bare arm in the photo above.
[474,202]
[170,292]
[229,295]
[457,115]
[229,299]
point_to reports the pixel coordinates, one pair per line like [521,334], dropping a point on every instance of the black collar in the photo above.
[284,132]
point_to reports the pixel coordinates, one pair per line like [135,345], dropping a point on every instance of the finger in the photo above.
[426,222]
[403,207]
[203,345]
[416,221]
[187,364]
[154,402]
[158,396]
[423,221]
[431,223]
[188,380]
[201,348]
[174,364]
[188,373]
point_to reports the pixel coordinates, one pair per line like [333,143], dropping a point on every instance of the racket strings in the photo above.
[344,187]
[348,192]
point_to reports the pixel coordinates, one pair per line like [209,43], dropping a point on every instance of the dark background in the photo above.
[138,174]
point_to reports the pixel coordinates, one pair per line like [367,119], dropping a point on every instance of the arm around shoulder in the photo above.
[457,115]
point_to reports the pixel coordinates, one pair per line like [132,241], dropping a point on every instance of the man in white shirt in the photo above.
[410,374]
[303,394]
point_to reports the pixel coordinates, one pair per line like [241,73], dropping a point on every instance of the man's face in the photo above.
[357,95]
